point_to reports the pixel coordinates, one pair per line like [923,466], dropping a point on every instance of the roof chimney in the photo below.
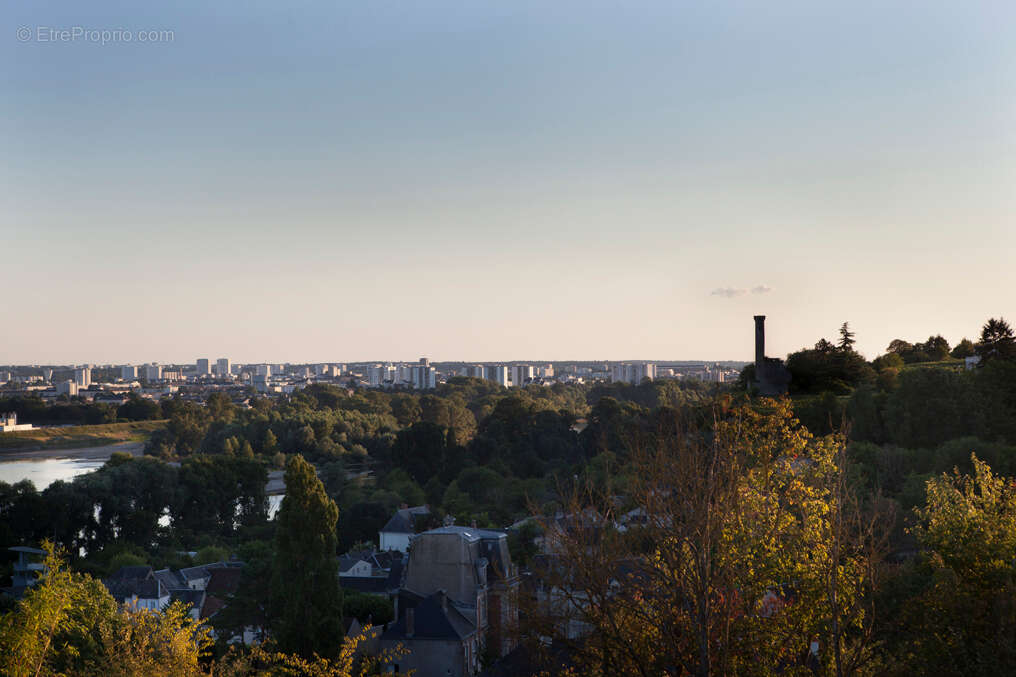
[410,622]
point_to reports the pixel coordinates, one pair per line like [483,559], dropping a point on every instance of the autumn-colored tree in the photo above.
[744,546]
[351,661]
[54,628]
[69,624]
[964,621]
[146,643]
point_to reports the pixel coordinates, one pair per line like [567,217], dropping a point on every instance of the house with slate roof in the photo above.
[464,579]
[441,639]
[139,587]
[400,529]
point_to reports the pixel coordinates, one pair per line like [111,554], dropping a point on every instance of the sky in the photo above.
[345,181]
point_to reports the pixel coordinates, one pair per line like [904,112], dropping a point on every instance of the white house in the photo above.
[396,534]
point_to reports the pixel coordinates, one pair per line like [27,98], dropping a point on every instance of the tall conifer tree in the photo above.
[306,598]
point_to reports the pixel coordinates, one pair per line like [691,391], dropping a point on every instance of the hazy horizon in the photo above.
[469,182]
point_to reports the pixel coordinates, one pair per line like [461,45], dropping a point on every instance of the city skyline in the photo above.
[474,182]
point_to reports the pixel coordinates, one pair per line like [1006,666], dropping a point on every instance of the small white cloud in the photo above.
[728,292]
[761,289]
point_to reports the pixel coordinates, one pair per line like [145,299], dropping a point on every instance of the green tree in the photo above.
[145,643]
[368,609]
[271,443]
[54,627]
[964,621]
[964,348]
[997,340]
[220,407]
[846,341]
[305,597]
[936,348]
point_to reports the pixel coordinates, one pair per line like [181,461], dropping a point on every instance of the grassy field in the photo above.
[957,365]
[79,436]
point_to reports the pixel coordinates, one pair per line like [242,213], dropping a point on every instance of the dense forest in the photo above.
[870,512]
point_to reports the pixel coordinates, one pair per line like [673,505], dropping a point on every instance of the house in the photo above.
[469,572]
[138,587]
[400,529]
[355,565]
[26,571]
[195,578]
[384,580]
[180,591]
[9,423]
[441,638]
[223,582]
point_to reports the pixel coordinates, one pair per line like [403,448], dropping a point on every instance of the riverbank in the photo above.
[97,453]
[75,439]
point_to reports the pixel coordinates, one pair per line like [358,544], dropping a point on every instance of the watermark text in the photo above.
[99,36]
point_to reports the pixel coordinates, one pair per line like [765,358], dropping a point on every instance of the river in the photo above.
[47,466]
[44,467]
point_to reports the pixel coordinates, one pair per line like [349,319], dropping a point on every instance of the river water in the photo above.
[44,471]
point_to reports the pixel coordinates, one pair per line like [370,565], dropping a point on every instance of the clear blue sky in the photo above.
[503,180]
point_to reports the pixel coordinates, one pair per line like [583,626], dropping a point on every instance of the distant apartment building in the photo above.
[47,374]
[472,371]
[5,376]
[546,371]
[153,372]
[68,388]
[498,373]
[263,370]
[222,367]
[83,376]
[423,376]
[380,375]
[172,374]
[203,367]
[128,372]
[633,373]
[326,371]
[522,374]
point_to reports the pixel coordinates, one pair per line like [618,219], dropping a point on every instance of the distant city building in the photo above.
[203,367]
[633,373]
[498,373]
[472,370]
[128,372]
[380,375]
[47,374]
[522,374]
[9,423]
[222,367]
[423,376]
[83,376]
[153,372]
[5,376]
[172,374]
[68,388]
[263,370]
